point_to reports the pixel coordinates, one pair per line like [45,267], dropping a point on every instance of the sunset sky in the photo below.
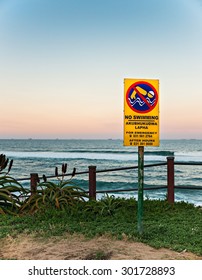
[63,63]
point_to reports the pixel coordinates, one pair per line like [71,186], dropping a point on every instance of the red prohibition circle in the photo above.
[133,87]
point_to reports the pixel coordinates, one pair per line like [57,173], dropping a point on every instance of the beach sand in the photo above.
[77,247]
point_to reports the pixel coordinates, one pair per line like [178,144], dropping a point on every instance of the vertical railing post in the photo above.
[92,182]
[34,179]
[170,179]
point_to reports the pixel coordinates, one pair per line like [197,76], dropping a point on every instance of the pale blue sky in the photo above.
[63,64]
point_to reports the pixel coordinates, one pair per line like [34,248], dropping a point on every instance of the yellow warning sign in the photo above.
[141,112]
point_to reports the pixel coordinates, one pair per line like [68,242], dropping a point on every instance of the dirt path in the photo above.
[76,247]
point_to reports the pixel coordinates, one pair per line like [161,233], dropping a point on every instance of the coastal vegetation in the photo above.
[177,226]
[61,207]
[16,200]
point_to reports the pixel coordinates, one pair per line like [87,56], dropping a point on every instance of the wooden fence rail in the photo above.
[92,171]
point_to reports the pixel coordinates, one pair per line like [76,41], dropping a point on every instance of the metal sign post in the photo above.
[140,188]
[141,125]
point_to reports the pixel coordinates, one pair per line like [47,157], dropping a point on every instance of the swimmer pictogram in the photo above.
[142,97]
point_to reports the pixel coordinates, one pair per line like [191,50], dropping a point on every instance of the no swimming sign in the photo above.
[141,112]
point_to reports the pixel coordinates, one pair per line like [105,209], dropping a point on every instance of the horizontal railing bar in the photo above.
[53,176]
[155,164]
[130,167]
[188,188]
[116,169]
[187,163]
[65,175]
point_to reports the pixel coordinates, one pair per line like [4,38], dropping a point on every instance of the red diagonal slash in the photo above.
[143,98]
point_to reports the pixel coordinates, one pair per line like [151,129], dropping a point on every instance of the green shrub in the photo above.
[105,207]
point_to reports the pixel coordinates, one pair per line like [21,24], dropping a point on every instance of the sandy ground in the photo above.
[77,247]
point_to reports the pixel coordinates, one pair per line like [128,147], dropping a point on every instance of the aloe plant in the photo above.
[105,207]
[3,164]
[10,195]
[59,195]
[10,190]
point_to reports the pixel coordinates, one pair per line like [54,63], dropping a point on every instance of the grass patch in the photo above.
[177,226]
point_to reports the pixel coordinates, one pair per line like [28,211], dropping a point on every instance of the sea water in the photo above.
[42,156]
